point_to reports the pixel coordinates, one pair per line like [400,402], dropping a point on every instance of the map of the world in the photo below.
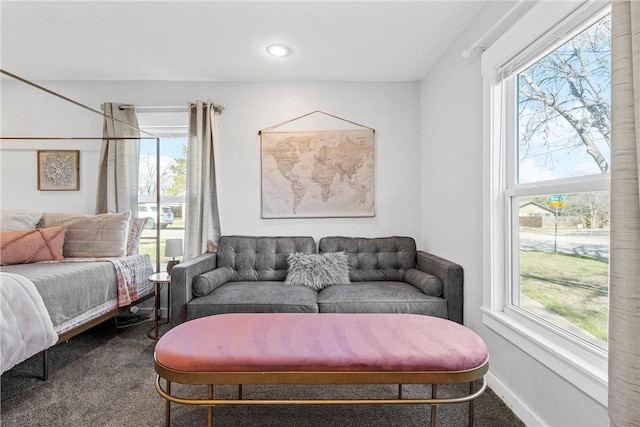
[317,174]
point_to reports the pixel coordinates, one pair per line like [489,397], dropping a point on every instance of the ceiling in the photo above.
[226,40]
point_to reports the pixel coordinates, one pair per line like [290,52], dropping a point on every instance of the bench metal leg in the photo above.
[210,407]
[167,407]
[399,391]
[471,408]
[434,394]
[210,402]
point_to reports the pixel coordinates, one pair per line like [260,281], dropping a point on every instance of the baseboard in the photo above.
[518,407]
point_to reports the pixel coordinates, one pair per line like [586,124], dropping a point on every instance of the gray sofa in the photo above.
[247,274]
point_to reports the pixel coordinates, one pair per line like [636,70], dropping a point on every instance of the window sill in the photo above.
[584,368]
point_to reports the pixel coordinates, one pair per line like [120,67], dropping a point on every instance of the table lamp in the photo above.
[172,249]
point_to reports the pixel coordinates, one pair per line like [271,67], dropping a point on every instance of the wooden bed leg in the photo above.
[210,407]
[45,365]
[434,393]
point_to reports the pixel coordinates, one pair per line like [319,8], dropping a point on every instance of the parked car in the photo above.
[148,210]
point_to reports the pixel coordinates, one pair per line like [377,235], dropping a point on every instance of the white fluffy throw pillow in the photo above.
[317,271]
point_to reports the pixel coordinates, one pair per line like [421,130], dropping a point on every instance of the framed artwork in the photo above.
[58,170]
[317,174]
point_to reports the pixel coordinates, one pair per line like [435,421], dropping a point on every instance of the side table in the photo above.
[159,279]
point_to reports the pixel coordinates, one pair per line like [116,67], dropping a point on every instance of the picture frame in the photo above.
[58,170]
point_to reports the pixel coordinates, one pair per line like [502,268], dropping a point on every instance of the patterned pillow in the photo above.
[136,227]
[317,271]
[25,246]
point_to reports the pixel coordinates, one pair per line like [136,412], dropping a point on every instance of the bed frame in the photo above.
[84,327]
[94,138]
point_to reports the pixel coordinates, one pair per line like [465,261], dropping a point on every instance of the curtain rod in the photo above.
[476,46]
[51,92]
[168,108]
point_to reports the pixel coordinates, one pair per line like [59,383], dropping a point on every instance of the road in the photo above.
[170,232]
[576,243]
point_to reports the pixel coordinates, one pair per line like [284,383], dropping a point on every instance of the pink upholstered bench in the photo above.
[292,348]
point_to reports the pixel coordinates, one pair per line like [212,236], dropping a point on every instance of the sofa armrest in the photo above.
[182,276]
[452,281]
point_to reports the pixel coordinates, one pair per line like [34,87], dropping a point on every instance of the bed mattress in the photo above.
[74,292]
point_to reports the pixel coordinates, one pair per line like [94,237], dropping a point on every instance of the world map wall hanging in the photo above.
[317,174]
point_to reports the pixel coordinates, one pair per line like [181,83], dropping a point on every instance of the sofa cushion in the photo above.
[103,235]
[371,259]
[254,297]
[260,258]
[206,283]
[380,297]
[316,271]
[427,283]
[15,220]
[26,246]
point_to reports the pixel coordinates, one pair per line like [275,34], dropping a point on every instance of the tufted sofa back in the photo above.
[386,258]
[260,258]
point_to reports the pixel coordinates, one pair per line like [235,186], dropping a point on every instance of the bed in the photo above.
[82,282]
[68,283]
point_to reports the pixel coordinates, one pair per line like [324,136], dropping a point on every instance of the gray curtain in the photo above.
[624,298]
[119,161]
[202,221]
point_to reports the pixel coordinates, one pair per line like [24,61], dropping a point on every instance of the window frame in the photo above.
[542,29]
[166,123]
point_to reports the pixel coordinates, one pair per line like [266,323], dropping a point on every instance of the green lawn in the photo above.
[148,246]
[575,287]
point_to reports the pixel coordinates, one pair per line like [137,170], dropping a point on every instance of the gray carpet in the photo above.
[105,377]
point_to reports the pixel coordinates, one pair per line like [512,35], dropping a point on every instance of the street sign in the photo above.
[557,201]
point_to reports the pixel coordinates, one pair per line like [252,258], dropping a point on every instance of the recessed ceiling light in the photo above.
[279,50]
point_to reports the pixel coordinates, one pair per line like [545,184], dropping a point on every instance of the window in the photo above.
[171,127]
[561,152]
[548,159]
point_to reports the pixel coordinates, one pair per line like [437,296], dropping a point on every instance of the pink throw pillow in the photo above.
[136,227]
[25,246]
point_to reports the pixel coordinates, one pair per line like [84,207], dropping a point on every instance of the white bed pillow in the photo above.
[14,220]
[92,236]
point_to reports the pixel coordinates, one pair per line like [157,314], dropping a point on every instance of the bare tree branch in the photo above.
[550,101]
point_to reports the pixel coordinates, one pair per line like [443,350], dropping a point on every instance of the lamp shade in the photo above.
[173,248]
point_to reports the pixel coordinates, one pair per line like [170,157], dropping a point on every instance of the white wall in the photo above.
[391,108]
[452,226]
